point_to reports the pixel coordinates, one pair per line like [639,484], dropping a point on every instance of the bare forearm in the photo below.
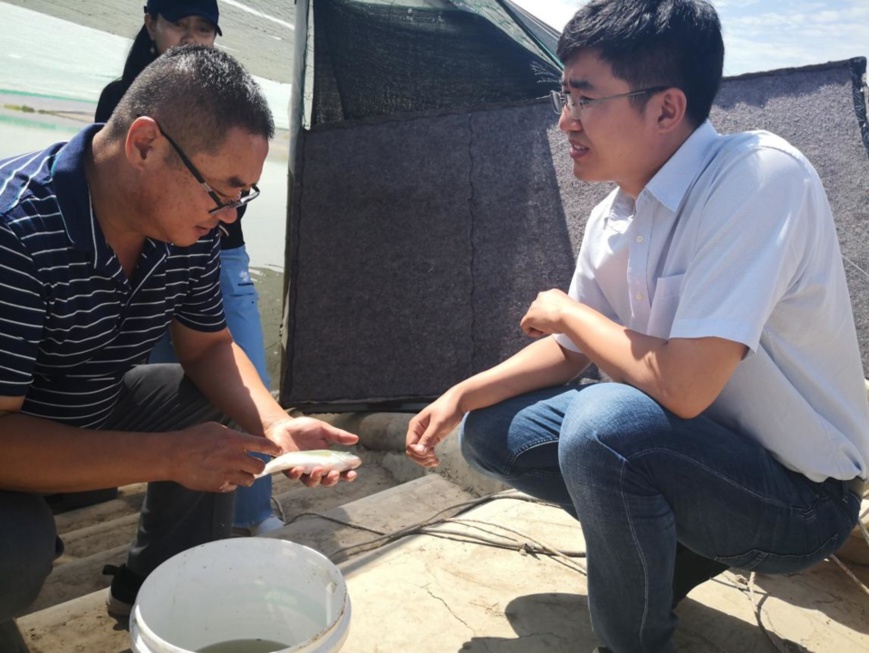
[541,364]
[684,375]
[38,455]
[230,381]
[624,355]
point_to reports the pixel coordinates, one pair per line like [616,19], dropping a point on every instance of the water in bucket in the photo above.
[242,595]
[244,646]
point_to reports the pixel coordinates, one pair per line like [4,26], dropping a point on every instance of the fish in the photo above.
[326,458]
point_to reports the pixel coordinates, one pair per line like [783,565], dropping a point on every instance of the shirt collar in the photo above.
[70,185]
[671,183]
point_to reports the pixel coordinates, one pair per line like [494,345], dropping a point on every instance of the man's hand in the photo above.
[211,457]
[307,433]
[545,315]
[430,427]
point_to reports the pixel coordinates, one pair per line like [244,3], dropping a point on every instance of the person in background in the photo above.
[107,240]
[169,23]
[710,288]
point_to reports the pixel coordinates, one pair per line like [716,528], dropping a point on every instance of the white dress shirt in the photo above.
[734,238]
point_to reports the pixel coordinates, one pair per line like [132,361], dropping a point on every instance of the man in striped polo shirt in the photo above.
[105,241]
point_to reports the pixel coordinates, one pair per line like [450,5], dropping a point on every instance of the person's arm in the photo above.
[685,375]
[39,455]
[225,375]
[541,364]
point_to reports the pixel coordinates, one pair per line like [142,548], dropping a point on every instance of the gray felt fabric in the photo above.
[418,240]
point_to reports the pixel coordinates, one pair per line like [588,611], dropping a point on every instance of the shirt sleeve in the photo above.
[22,316]
[748,247]
[202,308]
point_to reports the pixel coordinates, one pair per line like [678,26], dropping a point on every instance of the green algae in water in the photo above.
[244,646]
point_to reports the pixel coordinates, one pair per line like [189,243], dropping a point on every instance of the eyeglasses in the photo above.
[245,197]
[575,107]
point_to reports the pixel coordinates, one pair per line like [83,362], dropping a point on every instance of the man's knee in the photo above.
[158,398]
[484,438]
[28,547]
[472,436]
[614,415]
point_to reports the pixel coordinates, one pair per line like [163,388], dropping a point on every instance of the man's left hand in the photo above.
[305,434]
[545,315]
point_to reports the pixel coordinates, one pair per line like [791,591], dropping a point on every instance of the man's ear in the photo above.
[139,145]
[671,105]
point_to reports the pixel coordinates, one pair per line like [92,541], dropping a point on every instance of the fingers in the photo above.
[529,326]
[309,433]
[426,459]
[422,437]
[252,465]
[532,332]
[340,436]
[320,476]
[239,467]
[261,445]
[237,479]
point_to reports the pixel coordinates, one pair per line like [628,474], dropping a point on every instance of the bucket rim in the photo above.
[141,633]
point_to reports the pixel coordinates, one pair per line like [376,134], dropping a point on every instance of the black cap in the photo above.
[177,9]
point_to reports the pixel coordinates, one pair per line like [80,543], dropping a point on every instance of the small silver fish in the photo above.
[325,458]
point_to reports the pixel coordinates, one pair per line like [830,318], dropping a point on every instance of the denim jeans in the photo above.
[640,479]
[241,306]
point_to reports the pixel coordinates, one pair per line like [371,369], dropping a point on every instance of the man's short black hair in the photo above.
[197,94]
[652,43]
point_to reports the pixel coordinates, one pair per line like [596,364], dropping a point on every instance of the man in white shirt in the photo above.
[709,287]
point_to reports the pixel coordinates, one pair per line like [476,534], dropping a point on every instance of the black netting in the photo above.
[378,59]
[543,34]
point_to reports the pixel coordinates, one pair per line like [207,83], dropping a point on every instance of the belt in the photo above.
[855,485]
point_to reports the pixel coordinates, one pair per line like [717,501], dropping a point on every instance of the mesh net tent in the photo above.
[362,190]
[380,58]
[432,197]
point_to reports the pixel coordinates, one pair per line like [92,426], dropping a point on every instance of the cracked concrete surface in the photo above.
[503,601]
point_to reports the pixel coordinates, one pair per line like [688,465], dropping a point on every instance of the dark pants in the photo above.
[154,398]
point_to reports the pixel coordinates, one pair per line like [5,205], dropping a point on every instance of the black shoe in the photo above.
[691,570]
[122,594]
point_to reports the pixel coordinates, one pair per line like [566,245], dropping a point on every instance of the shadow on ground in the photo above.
[559,623]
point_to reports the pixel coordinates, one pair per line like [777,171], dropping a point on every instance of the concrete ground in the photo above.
[480,582]
[428,594]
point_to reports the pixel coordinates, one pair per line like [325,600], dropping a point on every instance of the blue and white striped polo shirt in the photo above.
[71,322]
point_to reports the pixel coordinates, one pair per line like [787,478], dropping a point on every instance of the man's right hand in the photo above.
[211,457]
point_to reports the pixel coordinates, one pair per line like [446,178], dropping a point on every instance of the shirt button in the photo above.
[640,239]
[639,297]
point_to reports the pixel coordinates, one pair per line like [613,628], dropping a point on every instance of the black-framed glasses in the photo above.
[245,197]
[575,106]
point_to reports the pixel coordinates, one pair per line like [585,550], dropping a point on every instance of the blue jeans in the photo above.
[640,479]
[241,305]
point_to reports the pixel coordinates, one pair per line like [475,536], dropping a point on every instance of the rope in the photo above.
[758,616]
[525,544]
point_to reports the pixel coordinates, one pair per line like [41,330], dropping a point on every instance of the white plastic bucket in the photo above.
[242,589]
